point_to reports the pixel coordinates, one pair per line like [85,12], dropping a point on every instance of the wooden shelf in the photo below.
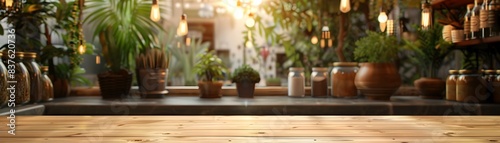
[439,4]
[474,42]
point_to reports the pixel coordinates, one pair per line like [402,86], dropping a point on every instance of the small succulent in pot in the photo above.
[210,70]
[245,78]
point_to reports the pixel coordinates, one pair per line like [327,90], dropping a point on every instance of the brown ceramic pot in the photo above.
[209,89]
[430,88]
[152,82]
[245,89]
[378,81]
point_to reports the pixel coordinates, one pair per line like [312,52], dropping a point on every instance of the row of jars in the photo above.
[29,81]
[473,86]
[341,79]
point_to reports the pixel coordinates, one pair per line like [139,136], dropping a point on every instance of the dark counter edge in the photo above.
[235,106]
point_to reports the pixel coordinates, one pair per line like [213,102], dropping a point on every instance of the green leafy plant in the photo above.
[123,28]
[245,73]
[152,59]
[273,80]
[184,58]
[429,50]
[209,67]
[376,48]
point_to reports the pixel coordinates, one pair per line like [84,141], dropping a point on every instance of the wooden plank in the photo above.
[250,139]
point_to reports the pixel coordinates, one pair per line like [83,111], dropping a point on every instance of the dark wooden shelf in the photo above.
[439,4]
[474,42]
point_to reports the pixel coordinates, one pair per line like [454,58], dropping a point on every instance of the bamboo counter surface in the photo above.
[252,129]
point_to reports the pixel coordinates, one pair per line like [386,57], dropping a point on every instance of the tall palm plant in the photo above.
[123,28]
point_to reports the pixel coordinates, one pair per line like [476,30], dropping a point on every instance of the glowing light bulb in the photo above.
[250,22]
[188,41]
[182,30]
[256,2]
[345,6]
[81,49]
[382,17]
[249,44]
[97,60]
[426,18]
[238,13]
[8,3]
[177,5]
[155,11]
[314,40]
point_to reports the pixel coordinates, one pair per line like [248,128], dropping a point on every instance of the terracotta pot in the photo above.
[152,82]
[245,89]
[62,88]
[209,89]
[430,88]
[378,81]
[115,85]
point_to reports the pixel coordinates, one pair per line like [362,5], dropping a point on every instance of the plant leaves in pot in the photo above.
[377,78]
[152,73]
[210,69]
[123,28]
[245,78]
[429,52]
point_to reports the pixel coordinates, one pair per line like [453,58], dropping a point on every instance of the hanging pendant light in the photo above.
[182,30]
[325,37]
[382,19]
[314,40]
[97,59]
[426,15]
[250,22]
[155,11]
[345,6]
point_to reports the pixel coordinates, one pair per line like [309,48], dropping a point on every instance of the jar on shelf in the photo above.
[35,77]
[342,77]
[319,82]
[21,77]
[496,88]
[4,94]
[471,87]
[296,82]
[48,88]
[451,85]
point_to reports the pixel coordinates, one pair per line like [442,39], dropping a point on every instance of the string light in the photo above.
[182,30]
[314,40]
[426,15]
[345,6]
[155,11]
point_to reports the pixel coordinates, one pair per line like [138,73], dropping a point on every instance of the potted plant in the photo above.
[273,81]
[377,77]
[429,52]
[245,78]
[123,28]
[152,73]
[209,69]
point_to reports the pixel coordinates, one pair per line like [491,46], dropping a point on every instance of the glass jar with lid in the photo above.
[4,94]
[319,82]
[21,77]
[48,88]
[471,87]
[296,82]
[35,77]
[342,77]
[451,85]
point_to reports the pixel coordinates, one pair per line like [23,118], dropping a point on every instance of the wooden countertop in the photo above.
[245,129]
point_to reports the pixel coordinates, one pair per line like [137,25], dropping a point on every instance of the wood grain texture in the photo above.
[252,129]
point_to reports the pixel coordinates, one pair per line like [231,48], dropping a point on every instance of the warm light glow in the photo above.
[155,12]
[330,42]
[345,6]
[314,40]
[256,2]
[182,30]
[382,17]
[250,22]
[426,18]
[390,27]
[249,44]
[382,26]
[238,13]
[97,60]
[322,43]
[81,49]
[188,41]
[177,5]
[8,3]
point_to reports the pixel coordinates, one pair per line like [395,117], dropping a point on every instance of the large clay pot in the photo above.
[115,85]
[152,82]
[245,89]
[210,89]
[377,81]
[430,88]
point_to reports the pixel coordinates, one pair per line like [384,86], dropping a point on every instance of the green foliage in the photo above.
[152,59]
[209,67]
[429,49]
[123,28]
[246,73]
[184,58]
[273,80]
[376,48]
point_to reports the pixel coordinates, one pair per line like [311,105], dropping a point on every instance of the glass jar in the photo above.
[296,82]
[21,77]
[35,77]
[4,94]
[343,75]
[48,88]
[471,87]
[451,85]
[319,82]
[474,20]
[496,88]
[467,19]
[483,19]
